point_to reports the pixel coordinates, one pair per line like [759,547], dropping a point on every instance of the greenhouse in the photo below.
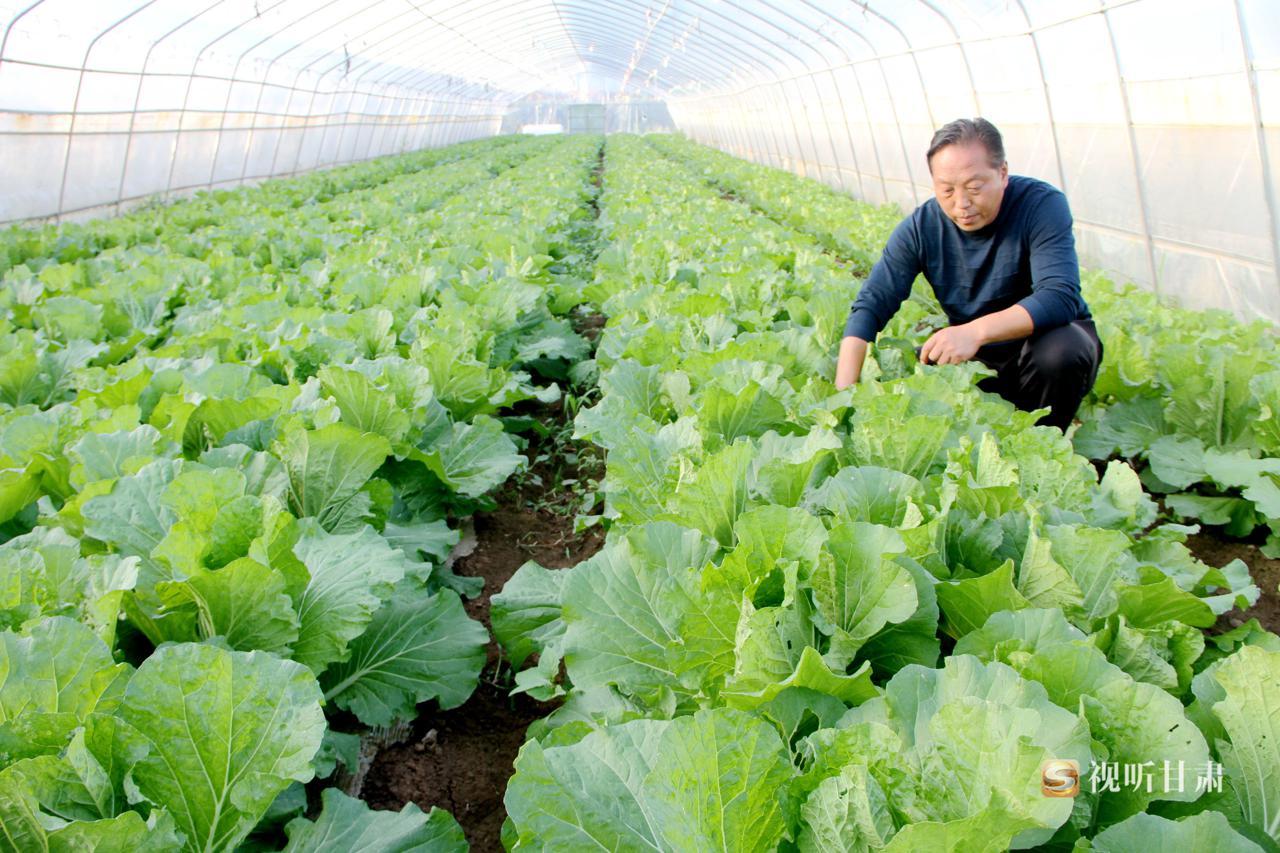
[668,425]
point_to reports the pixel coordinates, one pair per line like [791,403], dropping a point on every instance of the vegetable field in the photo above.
[270,460]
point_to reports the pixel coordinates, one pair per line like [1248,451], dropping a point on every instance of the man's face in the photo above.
[967,186]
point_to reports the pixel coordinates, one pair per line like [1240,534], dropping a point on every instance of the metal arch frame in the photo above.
[964,51]
[314,90]
[1113,5]
[235,75]
[402,76]
[830,133]
[775,89]
[431,22]
[773,25]
[878,57]
[776,81]
[780,84]
[359,79]
[1048,97]
[75,104]
[234,79]
[406,36]
[857,167]
[642,43]
[766,85]
[137,98]
[866,111]
[383,83]
[244,166]
[564,25]
[1133,147]
[432,19]
[878,60]
[1264,154]
[299,71]
[738,45]
[844,53]
[13,22]
[915,60]
[688,71]
[924,94]
[741,46]
[731,41]
[186,97]
[399,99]
[915,63]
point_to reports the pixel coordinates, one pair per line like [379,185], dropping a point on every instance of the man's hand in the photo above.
[956,344]
[952,345]
[849,367]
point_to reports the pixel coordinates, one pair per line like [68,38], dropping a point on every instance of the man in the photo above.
[999,253]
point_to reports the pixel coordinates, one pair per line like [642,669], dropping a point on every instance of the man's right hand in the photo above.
[853,351]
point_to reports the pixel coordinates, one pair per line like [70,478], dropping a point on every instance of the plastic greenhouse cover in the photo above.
[1158,117]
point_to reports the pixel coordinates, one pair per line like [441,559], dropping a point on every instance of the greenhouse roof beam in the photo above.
[565,26]
[742,54]
[305,68]
[235,73]
[412,38]
[551,28]
[691,70]
[75,104]
[137,93]
[407,37]
[416,5]
[195,64]
[4,42]
[908,51]
[1143,209]
[244,166]
[1048,97]
[964,50]
[849,62]
[1260,131]
[744,48]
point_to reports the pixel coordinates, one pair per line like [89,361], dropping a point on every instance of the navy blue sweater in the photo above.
[1026,256]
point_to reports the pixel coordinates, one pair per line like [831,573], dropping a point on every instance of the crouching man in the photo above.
[1000,255]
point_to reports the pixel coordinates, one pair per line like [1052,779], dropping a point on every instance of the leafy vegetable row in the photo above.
[69,242]
[1194,399]
[1190,398]
[225,516]
[753,659]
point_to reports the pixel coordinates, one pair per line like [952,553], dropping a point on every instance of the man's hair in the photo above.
[964,131]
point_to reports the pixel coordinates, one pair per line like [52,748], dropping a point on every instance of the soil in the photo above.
[461,759]
[1218,551]
[589,325]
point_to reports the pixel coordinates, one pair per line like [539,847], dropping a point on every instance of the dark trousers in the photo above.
[1055,369]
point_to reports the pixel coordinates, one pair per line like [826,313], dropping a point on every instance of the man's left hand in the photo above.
[952,345]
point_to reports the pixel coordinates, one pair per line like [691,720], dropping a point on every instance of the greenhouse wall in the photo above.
[107,112]
[1157,117]
[1160,125]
